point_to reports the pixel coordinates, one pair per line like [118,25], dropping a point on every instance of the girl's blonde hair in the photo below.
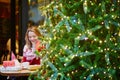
[33,29]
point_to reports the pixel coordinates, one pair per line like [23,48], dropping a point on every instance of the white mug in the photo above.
[25,64]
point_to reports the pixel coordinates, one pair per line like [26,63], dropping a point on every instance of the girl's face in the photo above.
[32,36]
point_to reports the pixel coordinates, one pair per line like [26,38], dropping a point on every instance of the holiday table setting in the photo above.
[15,68]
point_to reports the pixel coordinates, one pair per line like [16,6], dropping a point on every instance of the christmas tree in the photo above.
[82,40]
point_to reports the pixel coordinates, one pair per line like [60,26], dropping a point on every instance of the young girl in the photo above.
[32,44]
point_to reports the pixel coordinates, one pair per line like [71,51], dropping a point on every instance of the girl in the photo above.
[32,44]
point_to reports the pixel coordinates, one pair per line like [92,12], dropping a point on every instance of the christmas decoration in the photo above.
[82,41]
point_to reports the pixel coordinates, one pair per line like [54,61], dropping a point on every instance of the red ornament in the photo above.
[39,49]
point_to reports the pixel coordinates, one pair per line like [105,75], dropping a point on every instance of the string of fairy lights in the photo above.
[88,33]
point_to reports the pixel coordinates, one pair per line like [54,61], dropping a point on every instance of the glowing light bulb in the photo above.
[72,72]
[97,73]
[104,72]
[68,74]
[91,68]
[95,39]
[86,38]
[108,49]
[60,5]
[81,56]
[92,75]
[102,23]
[101,51]
[100,41]
[82,65]
[99,48]
[76,70]
[51,25]
[64,64]
[84,77]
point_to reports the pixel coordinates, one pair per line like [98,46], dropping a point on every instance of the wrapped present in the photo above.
[8,63]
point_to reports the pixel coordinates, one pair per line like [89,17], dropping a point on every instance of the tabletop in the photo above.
[23,72]
[16,73]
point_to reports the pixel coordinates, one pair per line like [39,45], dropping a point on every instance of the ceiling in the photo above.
[5,1]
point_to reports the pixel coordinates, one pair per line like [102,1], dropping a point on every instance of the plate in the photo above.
[33,67]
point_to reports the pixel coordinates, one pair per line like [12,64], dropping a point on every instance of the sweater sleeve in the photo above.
[23,59]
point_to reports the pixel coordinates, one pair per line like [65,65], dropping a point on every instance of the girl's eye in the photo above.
[32,36]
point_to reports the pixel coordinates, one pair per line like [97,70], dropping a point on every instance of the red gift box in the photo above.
[8,63]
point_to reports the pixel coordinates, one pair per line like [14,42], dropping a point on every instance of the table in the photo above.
[23,72]
[16,73]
